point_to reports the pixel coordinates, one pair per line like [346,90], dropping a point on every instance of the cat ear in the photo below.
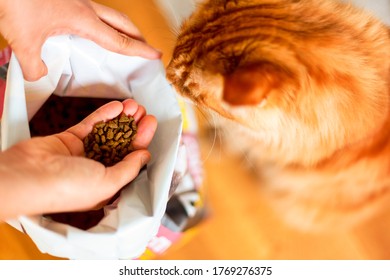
[250,85]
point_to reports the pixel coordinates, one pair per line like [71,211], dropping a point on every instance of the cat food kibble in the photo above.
[109,142]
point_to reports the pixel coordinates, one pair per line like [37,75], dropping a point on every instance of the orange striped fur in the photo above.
[302,88]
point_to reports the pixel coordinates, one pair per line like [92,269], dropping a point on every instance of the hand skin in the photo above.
[27,24]
[50,174]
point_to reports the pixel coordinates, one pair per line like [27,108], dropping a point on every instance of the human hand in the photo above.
[27,24]
[50,174]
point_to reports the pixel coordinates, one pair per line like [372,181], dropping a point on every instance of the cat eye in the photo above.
[231,64]
[230,60]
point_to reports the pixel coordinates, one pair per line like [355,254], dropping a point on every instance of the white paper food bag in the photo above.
[78,67]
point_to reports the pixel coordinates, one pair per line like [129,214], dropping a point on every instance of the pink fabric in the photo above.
[5,55]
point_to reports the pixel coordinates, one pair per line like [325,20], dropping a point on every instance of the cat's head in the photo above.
[305,76]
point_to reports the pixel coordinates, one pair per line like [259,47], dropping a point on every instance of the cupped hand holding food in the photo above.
[51,174]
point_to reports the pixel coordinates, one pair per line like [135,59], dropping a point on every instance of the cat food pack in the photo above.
[146,214]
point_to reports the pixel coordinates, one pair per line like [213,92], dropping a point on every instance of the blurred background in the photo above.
[239,223]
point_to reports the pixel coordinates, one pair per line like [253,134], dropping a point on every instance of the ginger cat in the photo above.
[301,87]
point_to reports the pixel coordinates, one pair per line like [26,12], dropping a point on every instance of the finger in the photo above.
[132,108]
[146,129]
[104,113]
[33,67]
[117,20]
[115,41]
[141,112]
[126,170]
[147,124]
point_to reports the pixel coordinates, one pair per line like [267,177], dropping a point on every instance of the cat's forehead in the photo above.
[228,28]
[214,16]
[220,5]
[222,35]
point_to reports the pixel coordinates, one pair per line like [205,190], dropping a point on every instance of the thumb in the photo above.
[33,67]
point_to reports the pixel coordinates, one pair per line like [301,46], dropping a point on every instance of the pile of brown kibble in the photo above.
[109,142]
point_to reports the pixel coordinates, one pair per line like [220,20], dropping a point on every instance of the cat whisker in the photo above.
[210,126]
[214,140]
[247,161]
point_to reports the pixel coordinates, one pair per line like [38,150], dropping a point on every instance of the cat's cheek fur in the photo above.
[266,135]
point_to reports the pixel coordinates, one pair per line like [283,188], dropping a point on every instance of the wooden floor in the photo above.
[240,225]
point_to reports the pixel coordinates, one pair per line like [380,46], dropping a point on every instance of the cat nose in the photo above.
[169,75]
